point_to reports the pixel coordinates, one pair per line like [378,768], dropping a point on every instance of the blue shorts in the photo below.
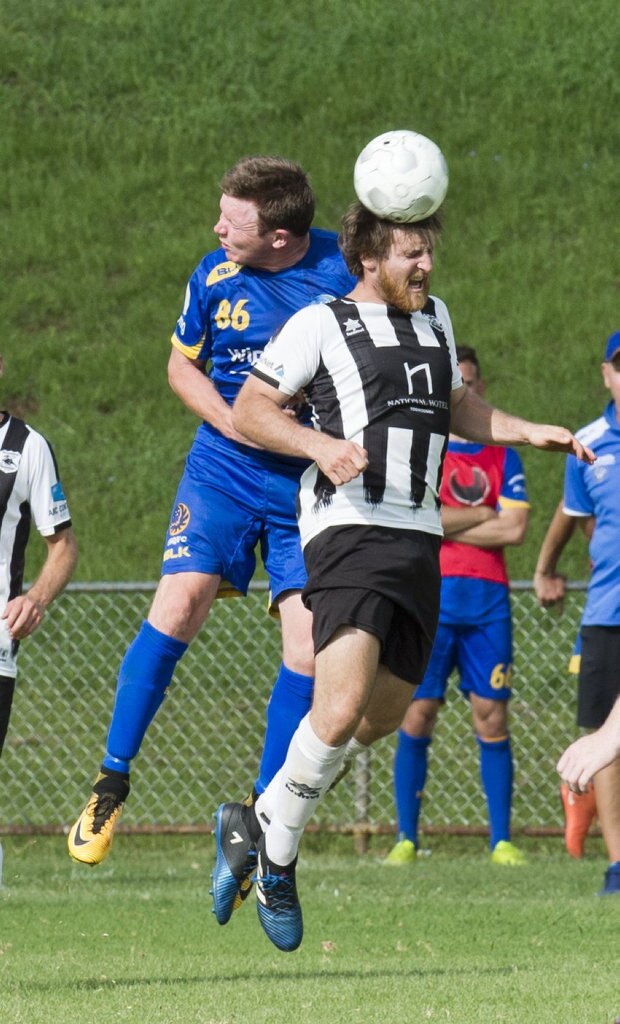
[230,499]
[481,654]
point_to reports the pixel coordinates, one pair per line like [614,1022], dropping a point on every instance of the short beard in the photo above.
[399,295]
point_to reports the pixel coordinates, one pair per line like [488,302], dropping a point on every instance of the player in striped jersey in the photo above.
[484,508]
[30,490]
[232,496]
[380,371]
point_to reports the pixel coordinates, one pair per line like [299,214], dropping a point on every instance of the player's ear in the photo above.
[280,238]
[369,263]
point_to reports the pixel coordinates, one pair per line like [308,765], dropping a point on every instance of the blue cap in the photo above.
[612,346]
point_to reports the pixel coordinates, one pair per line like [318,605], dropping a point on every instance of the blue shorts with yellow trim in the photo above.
[227,504]
[482,655]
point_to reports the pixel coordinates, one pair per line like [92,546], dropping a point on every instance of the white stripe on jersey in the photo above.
[35,490]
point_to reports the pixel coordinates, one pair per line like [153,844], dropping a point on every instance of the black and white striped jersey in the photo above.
[29,490]
[382,378]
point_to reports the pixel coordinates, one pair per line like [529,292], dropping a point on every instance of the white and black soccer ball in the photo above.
[401,176]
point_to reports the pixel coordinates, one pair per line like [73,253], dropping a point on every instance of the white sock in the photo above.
[264,804]
[300,784]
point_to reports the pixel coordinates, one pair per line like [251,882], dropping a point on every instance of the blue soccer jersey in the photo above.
[231,311]
[233,496]
[593,491]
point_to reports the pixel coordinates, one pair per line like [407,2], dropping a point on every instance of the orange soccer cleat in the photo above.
[579,813]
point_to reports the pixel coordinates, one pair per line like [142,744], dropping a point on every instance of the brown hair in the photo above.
[364,235]
[468,354]
[279,188]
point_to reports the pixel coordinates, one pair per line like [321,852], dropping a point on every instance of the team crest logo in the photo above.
[9,461]
[469,485]
[434,323]
[180,519]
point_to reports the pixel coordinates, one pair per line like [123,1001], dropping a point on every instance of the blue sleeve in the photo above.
[192,334]
[514,490]
[577,499]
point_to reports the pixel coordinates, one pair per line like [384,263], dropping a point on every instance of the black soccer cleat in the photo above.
[235,861]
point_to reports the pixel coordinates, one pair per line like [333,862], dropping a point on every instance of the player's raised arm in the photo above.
[259,415]
[476,420]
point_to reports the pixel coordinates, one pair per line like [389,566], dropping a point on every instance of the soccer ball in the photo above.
[401,176]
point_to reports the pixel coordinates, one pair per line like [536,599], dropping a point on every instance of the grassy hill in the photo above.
[118,119]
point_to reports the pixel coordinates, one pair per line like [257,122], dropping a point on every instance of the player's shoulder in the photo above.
[436,311]
[215,267]
[323,238]
[324,249]
[594,432]
[14,430]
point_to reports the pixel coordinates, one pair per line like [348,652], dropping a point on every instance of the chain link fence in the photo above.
[204,744]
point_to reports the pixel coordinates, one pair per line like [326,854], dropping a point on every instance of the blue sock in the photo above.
[410,766]
[496,775]
[290,701]
[144,676]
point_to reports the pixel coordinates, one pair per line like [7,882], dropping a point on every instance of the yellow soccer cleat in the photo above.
[90,839]
[507,854]
[403,853]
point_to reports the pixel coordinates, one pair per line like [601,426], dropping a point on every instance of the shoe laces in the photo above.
[106,804]
[279,890]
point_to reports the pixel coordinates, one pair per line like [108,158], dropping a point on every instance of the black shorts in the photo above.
[383,580]
[599,675]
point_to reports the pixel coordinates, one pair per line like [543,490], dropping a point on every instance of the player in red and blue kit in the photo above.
[233,496]
[484,509]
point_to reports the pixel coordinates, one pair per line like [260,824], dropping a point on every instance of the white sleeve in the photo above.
[292,357]
[41,483]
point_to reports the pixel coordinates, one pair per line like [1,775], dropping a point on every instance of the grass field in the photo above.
[451,939]
[118,122]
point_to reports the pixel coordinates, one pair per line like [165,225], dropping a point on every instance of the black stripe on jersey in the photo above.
[18,555]
[359,342]
[14,441]
[16,437]
[418,460]
[324,489]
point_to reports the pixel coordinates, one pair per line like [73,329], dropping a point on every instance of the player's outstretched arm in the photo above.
[586,756]
[476,420]
[259,415]
[550,585]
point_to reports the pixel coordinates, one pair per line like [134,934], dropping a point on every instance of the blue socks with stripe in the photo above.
[144,676]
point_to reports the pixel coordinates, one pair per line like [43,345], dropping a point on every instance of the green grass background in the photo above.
[449,939]
[118,119]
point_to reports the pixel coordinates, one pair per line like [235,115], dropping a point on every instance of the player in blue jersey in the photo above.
[591,494]
[484,509]
[232,496]
[550,587]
